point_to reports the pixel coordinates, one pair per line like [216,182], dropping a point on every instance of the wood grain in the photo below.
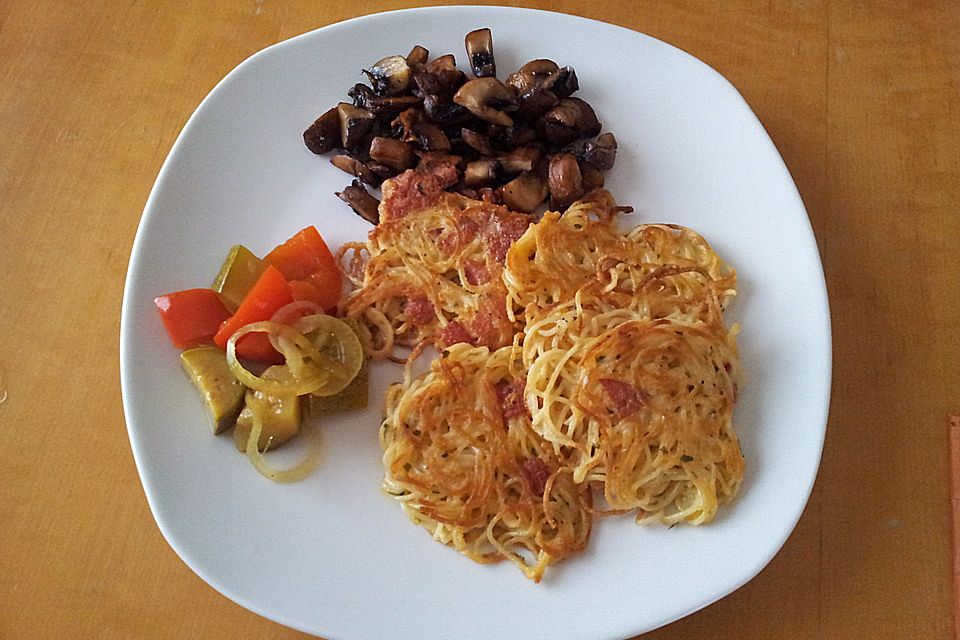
[863,101]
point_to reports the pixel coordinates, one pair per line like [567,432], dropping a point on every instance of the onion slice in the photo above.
[298,472]
[293,343]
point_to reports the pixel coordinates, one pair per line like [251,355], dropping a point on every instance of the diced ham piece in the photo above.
[510,396]
[503,231]
[477,273]
[624,398]
[419,311]
[413,191]
[453,333]
[536,473]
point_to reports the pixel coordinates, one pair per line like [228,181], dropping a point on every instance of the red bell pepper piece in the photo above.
[191,317]
[268,294]
[306,262]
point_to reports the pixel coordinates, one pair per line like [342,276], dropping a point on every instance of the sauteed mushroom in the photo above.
[355,124]
[364,204]
[324,134]
[480,173]
[532,75]
[524,193]
[417,55]
[565,180]
[394,153]
[483,96]
[518,141]
[389,76]
[479,45]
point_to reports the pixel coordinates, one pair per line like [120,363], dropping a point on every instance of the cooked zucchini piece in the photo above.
[239,272]
[353,396]
[221,392]
[280,415]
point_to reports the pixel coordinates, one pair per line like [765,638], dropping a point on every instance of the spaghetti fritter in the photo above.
[431,270]
[460,455]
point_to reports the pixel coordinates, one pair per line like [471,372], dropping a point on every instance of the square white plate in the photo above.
[332,555]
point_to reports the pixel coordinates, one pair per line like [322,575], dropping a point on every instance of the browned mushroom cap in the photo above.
[571,119]
[480,173]
[443,62]
[484,97]
[356,168]
[600,153]
[533,74]
[563,82]
[430,137]
[587,124]
[476,140]
[442,83]
[417,55]
[524,193]
[565,180]
[355,124]
[534,103]
[396,154]
[479,44]
[390,76]
[520,159]
[592,177]
[324,134]
[364,204]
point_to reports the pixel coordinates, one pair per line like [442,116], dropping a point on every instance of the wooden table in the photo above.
[864,105]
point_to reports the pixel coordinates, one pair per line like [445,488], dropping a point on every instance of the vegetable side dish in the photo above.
[262,350]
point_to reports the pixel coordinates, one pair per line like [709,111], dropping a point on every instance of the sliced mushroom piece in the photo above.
[520,159]
[600,153]
[364,204]
[356,168]
[403,124]
[382,171]
[519,134]
[355,124]
[443,112]
[443,62]
[417,55]
[390,76]
[531,75]
[385,105]
[534,103]
[563,83]
[478,141]
[480,173]
[362,95]
[592,177]
[485,97]
[479,45]
[396,154]
[442,83]
[430,137]
[324,134]
[524,193]
[565,180]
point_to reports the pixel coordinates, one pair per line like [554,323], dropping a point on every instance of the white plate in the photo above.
[332,555]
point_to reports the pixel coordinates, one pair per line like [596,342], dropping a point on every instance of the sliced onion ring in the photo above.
[293,474]
[345,363]
[293,343]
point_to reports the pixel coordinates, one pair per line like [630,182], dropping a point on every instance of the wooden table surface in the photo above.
[864,105]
